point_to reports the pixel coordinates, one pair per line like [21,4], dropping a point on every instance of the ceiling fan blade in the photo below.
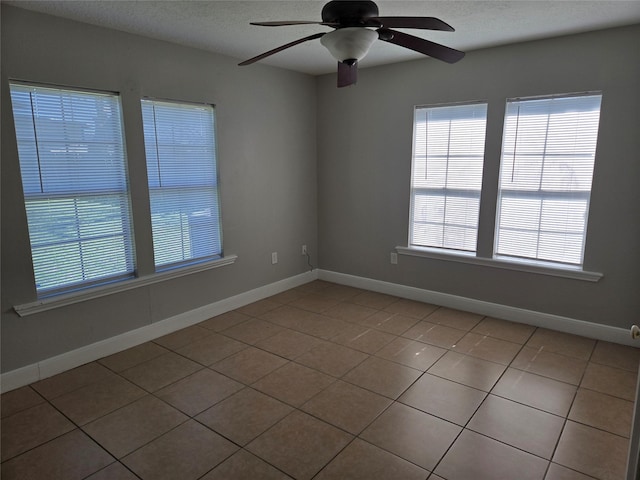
[426,23]
[347,74]
[421,45]
[292,22]
[279,49]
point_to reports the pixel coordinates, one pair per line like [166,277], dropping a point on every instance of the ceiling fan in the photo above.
[357,25]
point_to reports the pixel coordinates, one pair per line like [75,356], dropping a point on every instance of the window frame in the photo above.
[454,192]
[216,184]
[141,274]
[489,200]
[122,195]
[544,194]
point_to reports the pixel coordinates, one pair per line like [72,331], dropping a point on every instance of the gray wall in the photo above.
[364,161]
[346,193]
[266,126]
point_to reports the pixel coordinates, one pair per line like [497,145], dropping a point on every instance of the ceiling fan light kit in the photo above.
[357,26]
[349,43]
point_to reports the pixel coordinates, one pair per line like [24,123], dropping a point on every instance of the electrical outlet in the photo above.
[274,258]
[394,258]
[304,249]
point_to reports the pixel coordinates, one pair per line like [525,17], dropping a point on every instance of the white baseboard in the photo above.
[89,353]
[19,377]
[514,314]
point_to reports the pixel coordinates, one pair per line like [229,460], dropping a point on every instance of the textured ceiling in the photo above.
[223,26]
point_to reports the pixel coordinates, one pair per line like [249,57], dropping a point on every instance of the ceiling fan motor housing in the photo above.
[349,13]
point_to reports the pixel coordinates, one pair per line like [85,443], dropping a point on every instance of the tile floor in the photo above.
[331,382]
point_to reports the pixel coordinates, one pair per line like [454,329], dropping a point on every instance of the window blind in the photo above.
[74,179]
[448,157]
[548,156]
[183,186]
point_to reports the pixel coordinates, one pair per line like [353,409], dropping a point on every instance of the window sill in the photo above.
[43,305]
[470,258]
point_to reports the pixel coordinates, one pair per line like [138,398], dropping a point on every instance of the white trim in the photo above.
[19,377]
[60,363]
[45,304]
[89,353]
[514,314]
[462,257]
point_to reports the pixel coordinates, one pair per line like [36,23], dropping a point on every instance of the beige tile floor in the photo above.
[331,382]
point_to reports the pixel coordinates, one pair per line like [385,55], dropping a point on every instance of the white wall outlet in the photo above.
[304,249]
[274,258]
[394,258]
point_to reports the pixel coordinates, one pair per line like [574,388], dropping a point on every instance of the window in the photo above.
[543,188]
[183,183]
[74,180]
[548,155]
[448,157]
[76,190]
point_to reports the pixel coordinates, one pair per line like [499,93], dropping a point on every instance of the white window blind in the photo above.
[183,183]
[448,157]
[548,155]
[74,179]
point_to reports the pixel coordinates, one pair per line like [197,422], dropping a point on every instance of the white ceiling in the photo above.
[223,26]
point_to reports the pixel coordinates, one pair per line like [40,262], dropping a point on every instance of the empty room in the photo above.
[353,240]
